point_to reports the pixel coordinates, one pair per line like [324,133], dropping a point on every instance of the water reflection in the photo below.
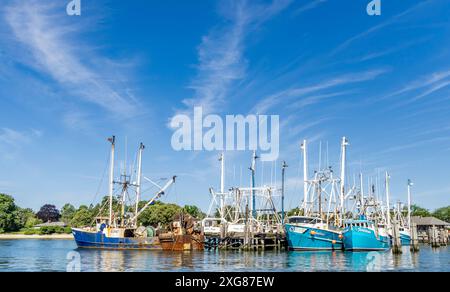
[39,255]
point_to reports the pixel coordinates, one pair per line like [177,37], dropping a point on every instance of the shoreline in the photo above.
[23,236]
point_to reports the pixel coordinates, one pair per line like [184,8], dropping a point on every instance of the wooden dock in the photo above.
[256,242]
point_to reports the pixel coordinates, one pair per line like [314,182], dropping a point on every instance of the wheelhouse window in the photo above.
[304,220]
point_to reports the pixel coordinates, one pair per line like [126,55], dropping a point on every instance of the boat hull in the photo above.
[186,242]
[309,238]
[405,239]
[364,239]
[99,240]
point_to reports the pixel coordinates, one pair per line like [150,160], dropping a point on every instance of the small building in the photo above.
[424,224]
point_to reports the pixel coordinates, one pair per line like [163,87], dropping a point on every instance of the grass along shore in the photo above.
[11,236]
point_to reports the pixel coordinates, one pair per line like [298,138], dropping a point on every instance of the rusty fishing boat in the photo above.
[120,229]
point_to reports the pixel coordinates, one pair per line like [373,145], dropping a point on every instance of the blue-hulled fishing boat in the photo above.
[309,233]
[120,229]
[316,230]
[405,236]
[363,235]
[114,238]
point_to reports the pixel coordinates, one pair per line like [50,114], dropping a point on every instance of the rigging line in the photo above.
[271,174]
[262,173]
[240,176]
[99,212]
[101,180]
[234,174]
[126,156]
[275,163]
[133,167]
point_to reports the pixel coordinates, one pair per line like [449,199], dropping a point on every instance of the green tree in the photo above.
[67,213]
[158,213]
[9,214]
[102,209]
[295,212]
[194,211]
[83,217]
[27,218]
[419,211]
[443,214]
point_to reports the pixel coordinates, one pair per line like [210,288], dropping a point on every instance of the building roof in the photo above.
[428,221]
[52,224]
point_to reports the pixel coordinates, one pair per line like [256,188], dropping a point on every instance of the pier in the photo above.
[256,242]
[432,231]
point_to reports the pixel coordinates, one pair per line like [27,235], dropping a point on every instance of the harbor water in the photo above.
[63,255]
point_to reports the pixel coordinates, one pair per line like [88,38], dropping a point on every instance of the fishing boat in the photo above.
[365,235]
[405,236]
[318,229]
[405,228]
[371,231]
[404,231]
[185,235]
[311,233]
[120,229]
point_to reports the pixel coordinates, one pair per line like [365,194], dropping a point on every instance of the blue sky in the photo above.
[126,67]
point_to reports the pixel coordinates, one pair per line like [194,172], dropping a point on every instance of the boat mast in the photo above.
[343,160]
[409,203]
[361,193]
[111,178]
[388,215]
[305,177]
[283,169]
[253,168]
[222,186]
[139,179]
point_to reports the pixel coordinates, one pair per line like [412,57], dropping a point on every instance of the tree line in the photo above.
[15,219]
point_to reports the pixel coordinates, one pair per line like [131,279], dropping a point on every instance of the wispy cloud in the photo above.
[51,45]
[221,52]
[11,141]
[287,95]
[414,144]
[308,6]
[314,99]
[420,88]
[394,19]
[422,82]
[391,50]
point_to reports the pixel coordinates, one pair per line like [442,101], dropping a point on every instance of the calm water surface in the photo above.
[56,255]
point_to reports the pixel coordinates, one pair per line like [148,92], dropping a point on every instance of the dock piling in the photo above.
[433,236]
[396,241]
[414,238]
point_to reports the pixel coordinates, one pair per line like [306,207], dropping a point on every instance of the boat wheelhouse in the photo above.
[365,235]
